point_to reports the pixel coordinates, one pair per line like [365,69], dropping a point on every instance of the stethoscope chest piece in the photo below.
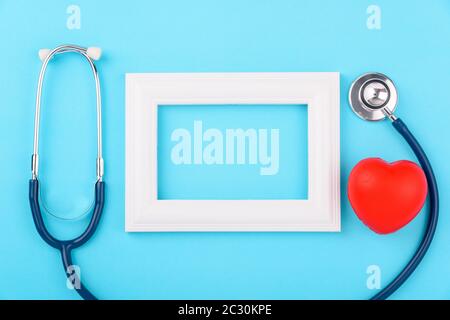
[373,96]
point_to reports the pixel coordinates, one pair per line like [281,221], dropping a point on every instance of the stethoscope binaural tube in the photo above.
[373,97]
[66,246]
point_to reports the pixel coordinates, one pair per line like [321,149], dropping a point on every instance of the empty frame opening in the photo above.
[232,152]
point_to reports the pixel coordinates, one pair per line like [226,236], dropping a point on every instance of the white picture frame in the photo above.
[145,91]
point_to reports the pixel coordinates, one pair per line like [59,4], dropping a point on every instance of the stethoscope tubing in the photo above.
[66,246]
[433,195]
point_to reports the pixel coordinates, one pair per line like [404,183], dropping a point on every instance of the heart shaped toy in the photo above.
[386,196]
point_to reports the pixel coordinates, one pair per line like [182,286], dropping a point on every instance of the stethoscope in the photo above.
[66,246]
[372,97]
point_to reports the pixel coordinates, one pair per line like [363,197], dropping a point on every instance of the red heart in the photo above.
[386,196]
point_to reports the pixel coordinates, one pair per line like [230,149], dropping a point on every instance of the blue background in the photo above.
[205,36]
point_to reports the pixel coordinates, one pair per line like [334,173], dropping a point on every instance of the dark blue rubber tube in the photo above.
[433,195]
[66,246]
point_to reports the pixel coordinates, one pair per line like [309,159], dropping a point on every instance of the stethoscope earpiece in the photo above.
[43,54]
[373,97]
[94,53]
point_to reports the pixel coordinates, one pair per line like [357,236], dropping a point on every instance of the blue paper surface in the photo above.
[412,47]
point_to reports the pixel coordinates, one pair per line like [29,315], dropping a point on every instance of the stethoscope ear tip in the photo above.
[43,54]
[94,53]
